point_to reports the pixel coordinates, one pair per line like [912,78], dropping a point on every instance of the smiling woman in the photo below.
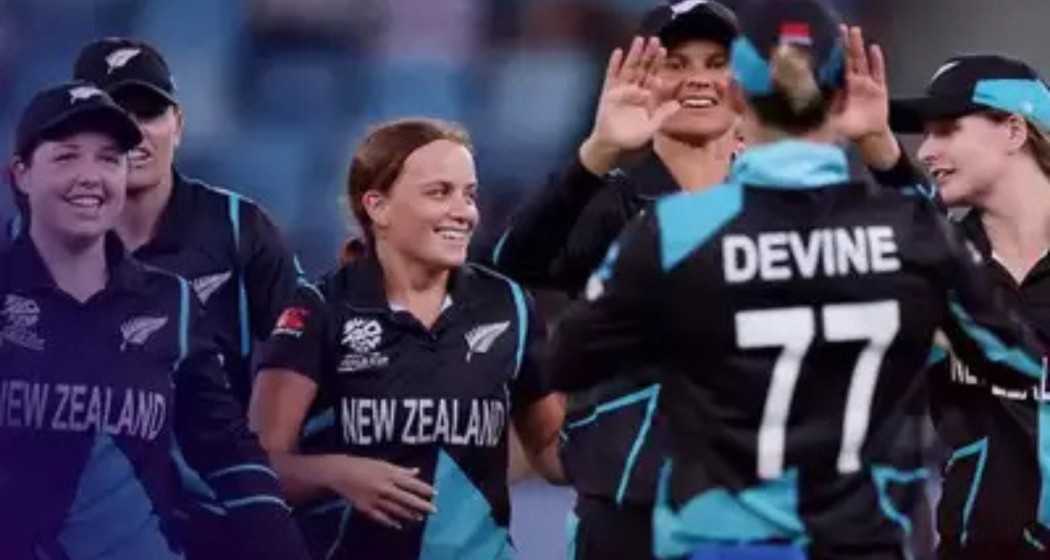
[101,360]
[411,362]
[70,172]
[413,187]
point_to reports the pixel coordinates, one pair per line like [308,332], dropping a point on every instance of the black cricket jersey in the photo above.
[436,399]
[614,437]
[997,480]
[793,312]
[94,397]
[994,433]
[236,261]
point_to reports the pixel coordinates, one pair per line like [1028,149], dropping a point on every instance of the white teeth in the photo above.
[698,102]
[452,234]
[86,201]
[138,153]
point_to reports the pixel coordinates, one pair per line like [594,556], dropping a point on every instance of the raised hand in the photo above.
[867,109]
[865,121]
[628,113]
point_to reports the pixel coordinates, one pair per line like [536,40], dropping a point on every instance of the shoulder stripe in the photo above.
[184,321]
[994,349]
[242,292]
[518,295]
[307,285]
[497,251]
[688,220]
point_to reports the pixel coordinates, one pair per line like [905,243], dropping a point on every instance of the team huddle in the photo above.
[755,343]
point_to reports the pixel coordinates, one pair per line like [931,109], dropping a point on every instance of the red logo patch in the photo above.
[293,319]
[796,33]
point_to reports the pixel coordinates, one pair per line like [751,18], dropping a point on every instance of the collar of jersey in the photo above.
[651,178]
[973,228]
[791,165]
[29,271]
[362,282]
[174,219]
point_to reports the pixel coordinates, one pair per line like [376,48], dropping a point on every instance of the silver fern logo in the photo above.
[683,7]
[481,338]
[120,58]
[82,93]
[138,330]
[205,286]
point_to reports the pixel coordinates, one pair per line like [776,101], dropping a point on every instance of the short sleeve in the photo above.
[298,341]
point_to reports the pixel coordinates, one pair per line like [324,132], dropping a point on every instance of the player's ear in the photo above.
[17,172]
[377,206]
[180,123]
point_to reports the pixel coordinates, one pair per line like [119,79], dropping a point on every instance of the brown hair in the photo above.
[1037,144]
[798,104]
[378,161]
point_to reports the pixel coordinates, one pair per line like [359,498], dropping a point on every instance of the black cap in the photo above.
[971,84]
[116,63]
[679,21]
[767,24]
[69,108]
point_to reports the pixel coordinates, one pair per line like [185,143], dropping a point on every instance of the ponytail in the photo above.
[793,79]
[797,104]
[353,250]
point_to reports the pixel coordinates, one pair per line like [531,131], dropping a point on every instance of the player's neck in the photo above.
[78,270]
[142,211]
[419,288]
[696,166]
[1016,217]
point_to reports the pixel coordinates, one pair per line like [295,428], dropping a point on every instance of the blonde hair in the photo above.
[1039,144]
[793,78]
[797,103]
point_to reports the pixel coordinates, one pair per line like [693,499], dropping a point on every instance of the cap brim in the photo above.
[699,24]
[107,119]
[131,85]
[910,115]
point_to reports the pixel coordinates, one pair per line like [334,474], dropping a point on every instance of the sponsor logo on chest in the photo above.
[18,322]
[361,337]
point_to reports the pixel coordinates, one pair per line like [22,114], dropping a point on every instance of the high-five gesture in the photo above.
[867,97]
[628,112]
[866,117]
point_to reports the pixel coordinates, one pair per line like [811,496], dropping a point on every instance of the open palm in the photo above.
[628,114]
[867,96]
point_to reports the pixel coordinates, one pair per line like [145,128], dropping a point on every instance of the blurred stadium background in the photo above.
[277,92]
